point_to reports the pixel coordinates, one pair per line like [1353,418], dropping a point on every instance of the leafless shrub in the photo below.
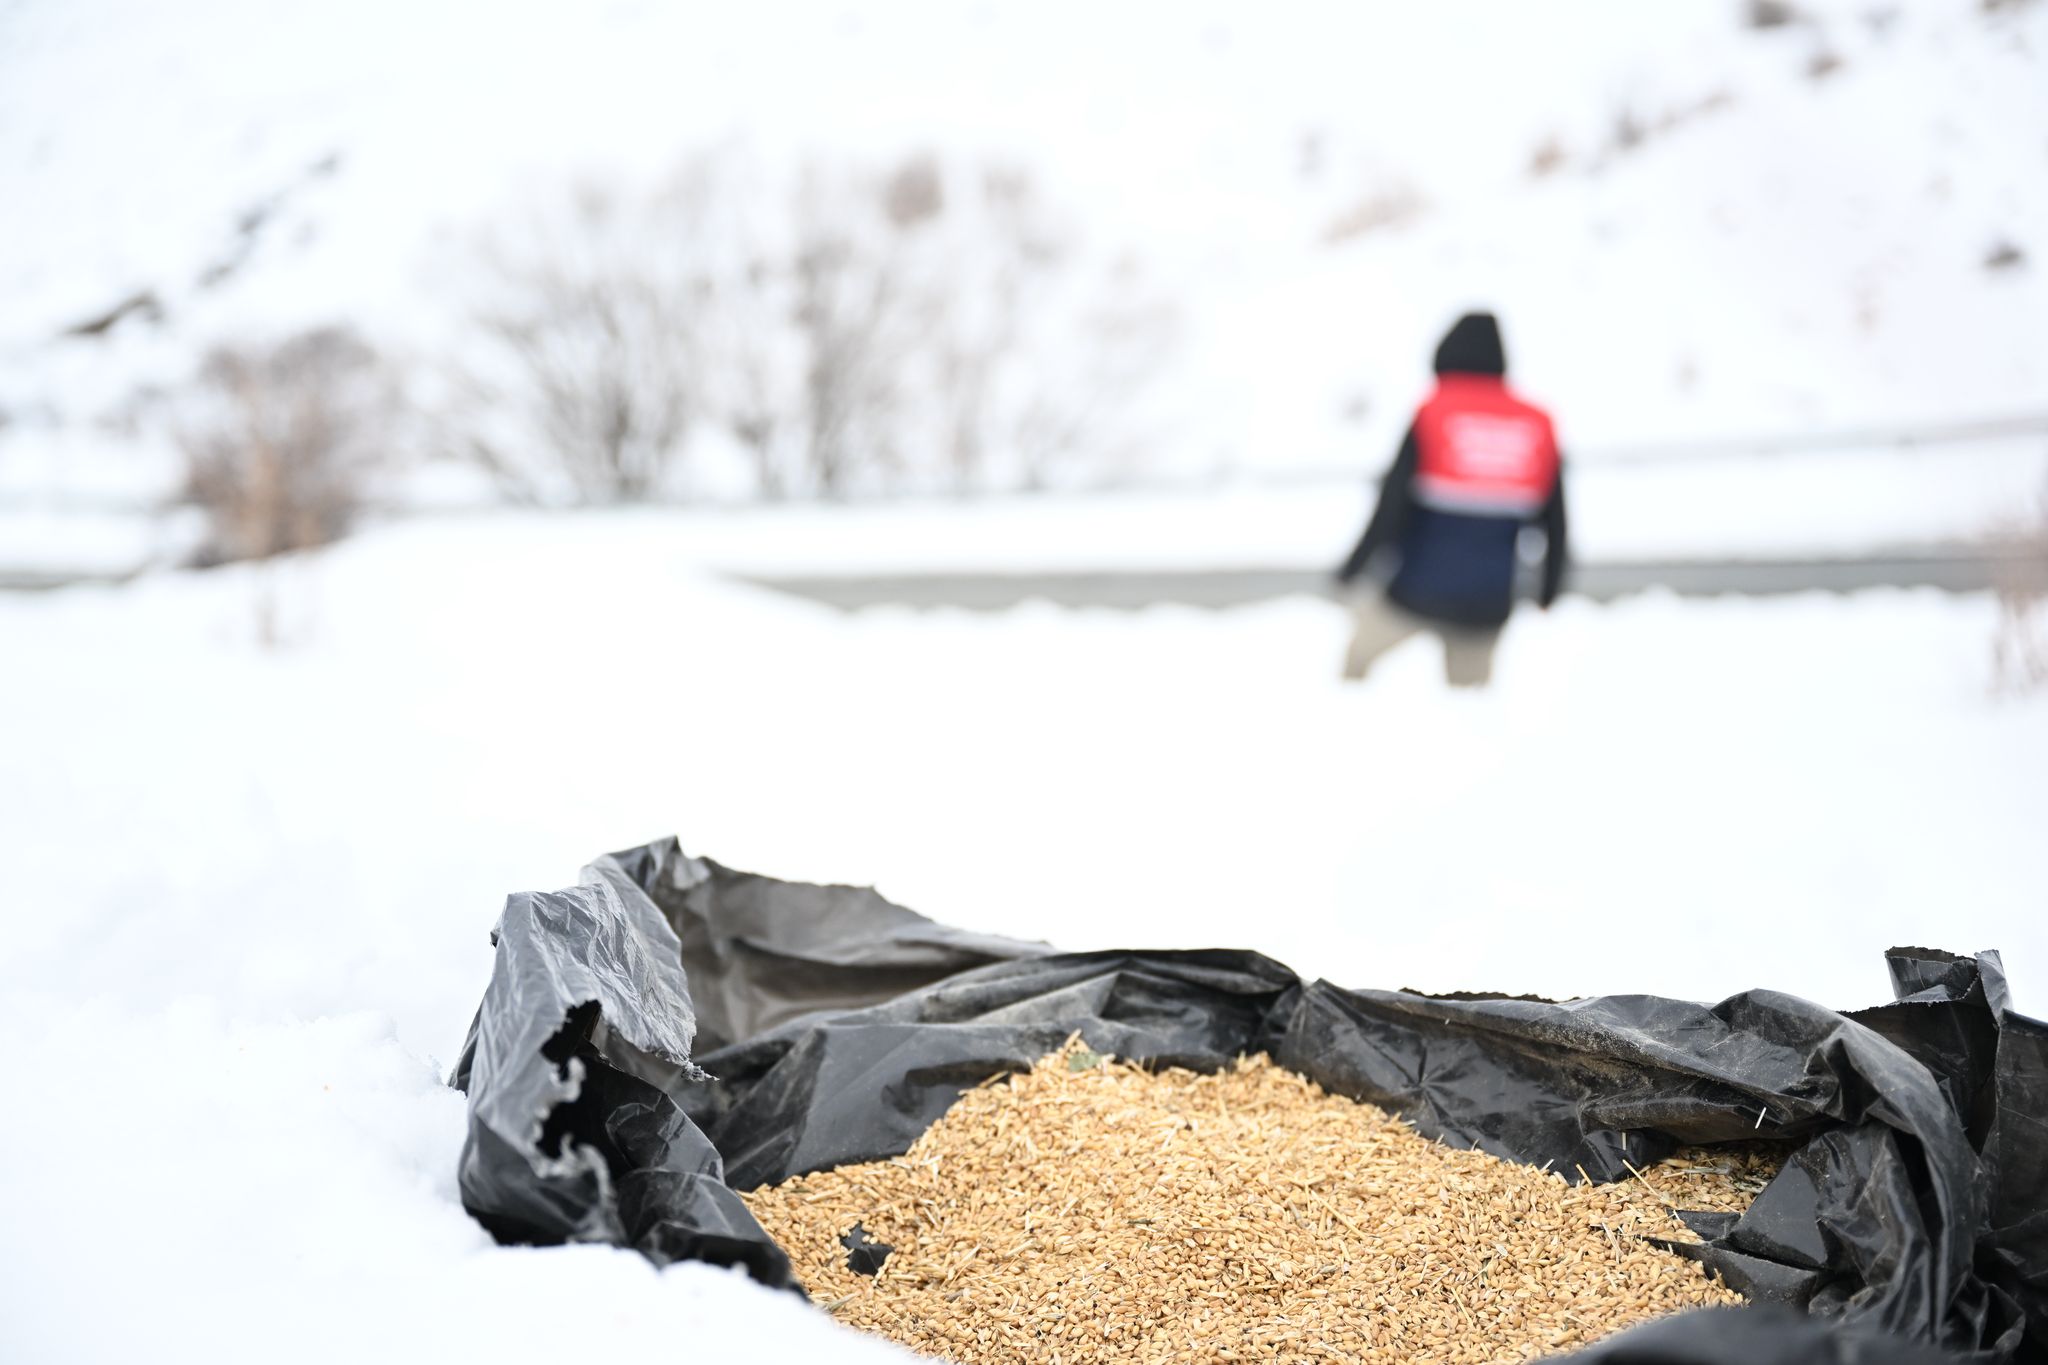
[929,326]
[999,264]
[914,192]
[2004,255]
[1116,344]
[1311,151]
[752,382]
[2020,648]
[1634,129]
[848,329]
[583,387]
[1629,131]
[281,439]
[1548,158]
[1766,14]
[857,319]
[1387,205]
[748,363]
[1038,353]
[142,304]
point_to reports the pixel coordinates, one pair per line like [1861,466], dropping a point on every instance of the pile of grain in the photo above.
[1091,1211]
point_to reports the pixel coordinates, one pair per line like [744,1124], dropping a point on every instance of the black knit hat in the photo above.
[1472,346]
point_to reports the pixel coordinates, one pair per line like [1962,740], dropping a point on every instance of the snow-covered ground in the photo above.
[1815,504]
[1812,504]
[250,887]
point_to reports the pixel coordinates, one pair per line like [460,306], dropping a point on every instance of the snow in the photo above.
[253,885]
[1779,253]
[1804,505]
[251,1192]
[1813,504]
[58,544]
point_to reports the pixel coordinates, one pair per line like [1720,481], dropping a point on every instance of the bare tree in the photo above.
[857,320]
[586,387]
[280,443]
[818,308]
[994,274]
[751,374]
[2019,650]
[1040,354]
[280,440]
[1116,344]
[851,329]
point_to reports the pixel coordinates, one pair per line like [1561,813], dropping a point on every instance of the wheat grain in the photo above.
[1090,1211]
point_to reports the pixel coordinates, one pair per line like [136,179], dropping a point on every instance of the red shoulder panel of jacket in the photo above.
[1482,449]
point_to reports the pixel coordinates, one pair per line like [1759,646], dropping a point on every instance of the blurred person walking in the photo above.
[1478,466]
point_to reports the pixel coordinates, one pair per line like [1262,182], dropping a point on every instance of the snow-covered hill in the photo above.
[1696,228]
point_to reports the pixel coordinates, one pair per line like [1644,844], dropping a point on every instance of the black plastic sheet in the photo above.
[1750,1336]
[669,1031]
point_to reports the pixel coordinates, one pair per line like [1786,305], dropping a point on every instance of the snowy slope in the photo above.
[251,888]
[1725,243]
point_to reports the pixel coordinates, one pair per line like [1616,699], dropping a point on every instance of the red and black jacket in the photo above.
[1478,465]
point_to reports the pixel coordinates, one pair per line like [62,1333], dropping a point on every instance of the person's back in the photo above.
[1479,464]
